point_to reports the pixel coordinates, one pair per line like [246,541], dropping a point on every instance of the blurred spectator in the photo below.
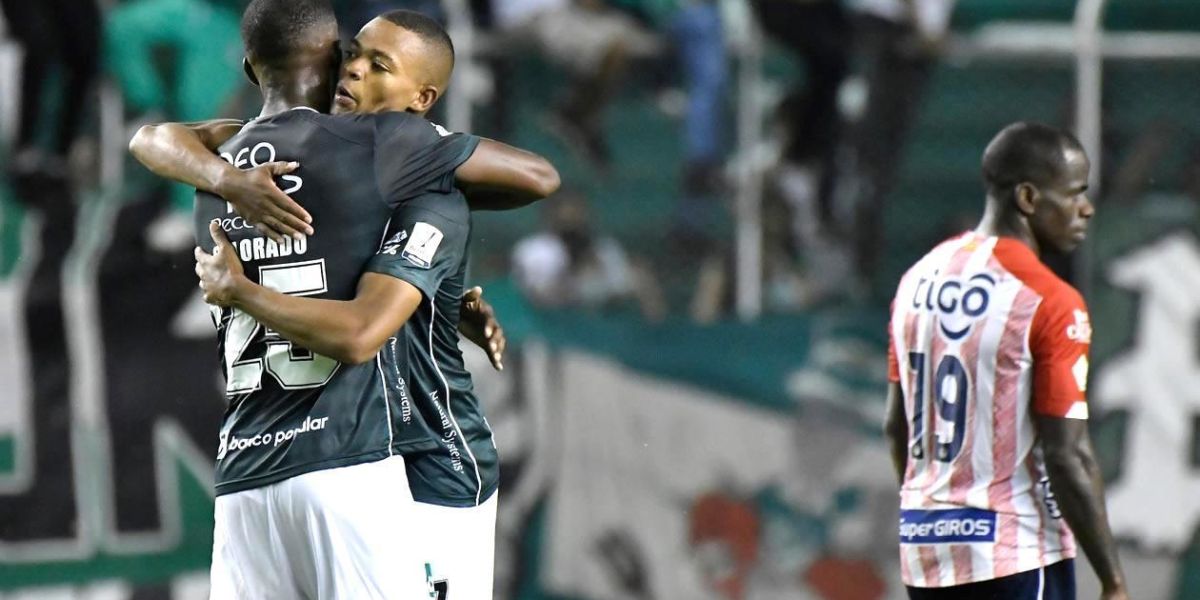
[695,31]
[175,60]
[896,42]
[818,31]
[58,37]
[570,264]
[786,287]
[594,42]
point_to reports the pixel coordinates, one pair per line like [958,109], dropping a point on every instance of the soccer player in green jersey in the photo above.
[295,364]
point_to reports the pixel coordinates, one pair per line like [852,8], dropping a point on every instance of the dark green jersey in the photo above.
[426,245]
[292,411]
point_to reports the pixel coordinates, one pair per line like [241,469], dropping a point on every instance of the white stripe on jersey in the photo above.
[998,410]
[450,411]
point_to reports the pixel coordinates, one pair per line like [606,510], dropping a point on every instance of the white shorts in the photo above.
[336,533]
[461,548]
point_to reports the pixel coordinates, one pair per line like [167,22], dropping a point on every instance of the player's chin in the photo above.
[343,104]
[1069,243]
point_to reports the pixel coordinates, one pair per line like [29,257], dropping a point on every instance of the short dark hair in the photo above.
[1026,151]
[427,28]
[273,30]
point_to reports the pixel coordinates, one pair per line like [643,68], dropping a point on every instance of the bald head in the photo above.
[1027,152]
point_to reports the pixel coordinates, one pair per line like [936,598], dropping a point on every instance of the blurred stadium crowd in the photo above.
[584,75]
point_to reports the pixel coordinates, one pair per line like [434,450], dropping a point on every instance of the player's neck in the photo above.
[280,98]
[1009,224]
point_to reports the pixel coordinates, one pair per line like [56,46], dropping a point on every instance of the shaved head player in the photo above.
[987,412]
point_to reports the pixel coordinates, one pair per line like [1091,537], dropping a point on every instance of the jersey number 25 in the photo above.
[293,368]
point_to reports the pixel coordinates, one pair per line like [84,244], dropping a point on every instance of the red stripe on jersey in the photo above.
[961,553]
[930,566]
[933,467]
[1005,425]
[905,570]
[1034,474]
[1067,538]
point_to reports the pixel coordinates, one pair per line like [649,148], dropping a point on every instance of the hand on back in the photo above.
[257,199]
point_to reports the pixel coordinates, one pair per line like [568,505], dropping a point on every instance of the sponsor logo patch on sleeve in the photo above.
[422,244]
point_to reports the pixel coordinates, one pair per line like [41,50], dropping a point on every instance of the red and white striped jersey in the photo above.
[983,335]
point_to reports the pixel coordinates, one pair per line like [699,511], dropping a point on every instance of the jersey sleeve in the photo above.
[1059,340]
[414,156]
[421,247]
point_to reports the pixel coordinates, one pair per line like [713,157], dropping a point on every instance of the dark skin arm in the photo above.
[184,152]
[500,177]
[347,331]
[895,430]
[496,176]
[1079,491]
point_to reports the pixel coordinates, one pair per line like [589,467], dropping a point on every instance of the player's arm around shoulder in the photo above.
[349,331]
[498,176]
[186,152]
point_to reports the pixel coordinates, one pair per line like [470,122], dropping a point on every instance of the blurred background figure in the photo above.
[594,43]
[896,43]
[170,59]
[818,33]
[571,264]
[60,49]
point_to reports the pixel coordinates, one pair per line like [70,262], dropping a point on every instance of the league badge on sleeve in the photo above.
[422,244]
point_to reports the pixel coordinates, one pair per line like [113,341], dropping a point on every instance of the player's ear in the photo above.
[249,70]
[1025,196]
[427,96]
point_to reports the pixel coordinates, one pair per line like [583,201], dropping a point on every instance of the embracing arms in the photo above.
[495,177]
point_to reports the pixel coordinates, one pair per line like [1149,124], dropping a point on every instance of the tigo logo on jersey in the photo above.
[959,303]
[422,244]
[1081,330]
[955,526]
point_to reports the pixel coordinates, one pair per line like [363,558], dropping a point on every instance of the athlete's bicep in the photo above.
[386,303]
[1063,440]
[496,165]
